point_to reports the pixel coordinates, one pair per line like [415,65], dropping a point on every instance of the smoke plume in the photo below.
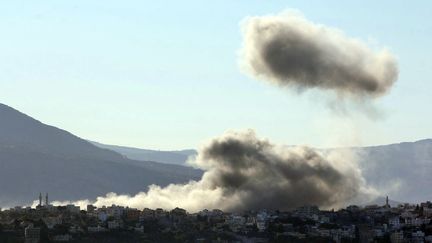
[245,172]
[290,51]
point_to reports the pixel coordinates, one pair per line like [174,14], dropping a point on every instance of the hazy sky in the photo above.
[165,75]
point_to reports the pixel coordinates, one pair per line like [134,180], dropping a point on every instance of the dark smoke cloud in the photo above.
[289,50]
[244,172]
[264,176]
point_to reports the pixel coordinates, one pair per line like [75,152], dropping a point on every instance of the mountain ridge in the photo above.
[177,157]
[36,157]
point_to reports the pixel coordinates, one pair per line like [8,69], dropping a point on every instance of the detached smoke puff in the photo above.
[289,50]
[244,172]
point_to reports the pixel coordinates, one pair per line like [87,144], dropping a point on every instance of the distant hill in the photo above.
[171,157]
[35,157]
[402,170]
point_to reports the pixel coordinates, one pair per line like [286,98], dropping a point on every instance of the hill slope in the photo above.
[36,157]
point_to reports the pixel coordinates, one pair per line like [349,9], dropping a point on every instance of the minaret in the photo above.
[46,199]
[40,198]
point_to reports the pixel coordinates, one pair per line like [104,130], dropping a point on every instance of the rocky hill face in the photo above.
[36,157]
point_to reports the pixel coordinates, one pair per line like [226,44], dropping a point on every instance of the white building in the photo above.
[113,224]
[32,234]
[236,222]
[115,211]
[50,222]
[418,236]
[261,225]
[62,238]
[95,229]
[397,237]
[102,216]
[395,222]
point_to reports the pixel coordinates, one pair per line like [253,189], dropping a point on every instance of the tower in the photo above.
[387,202]
[40,198]
[46,199]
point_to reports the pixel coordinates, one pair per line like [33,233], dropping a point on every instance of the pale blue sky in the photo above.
[164,74]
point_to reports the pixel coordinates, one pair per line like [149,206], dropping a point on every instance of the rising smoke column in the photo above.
[244,172]
[290,51]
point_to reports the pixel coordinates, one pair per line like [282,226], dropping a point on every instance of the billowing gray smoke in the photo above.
[289,50]
[244,172]
[264,176]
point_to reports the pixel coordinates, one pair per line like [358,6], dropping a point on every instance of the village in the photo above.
[373,223]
